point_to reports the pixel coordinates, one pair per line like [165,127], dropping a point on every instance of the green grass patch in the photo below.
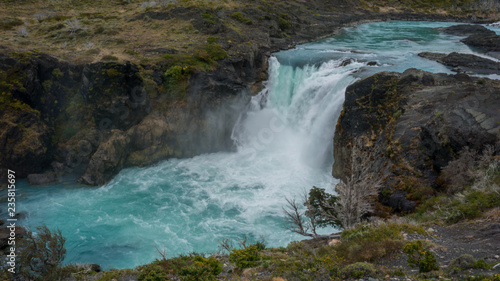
[369,242]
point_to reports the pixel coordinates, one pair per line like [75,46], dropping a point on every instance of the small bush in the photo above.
[481,264]
[109,58]
[152,272]
[359,269]
[239,17]
[246,257]
[420,257]
[369,242]
[464,261]
[202,269]
[284,24]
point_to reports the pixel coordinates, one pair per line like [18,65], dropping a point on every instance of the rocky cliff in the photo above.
[411,125]
[93,120]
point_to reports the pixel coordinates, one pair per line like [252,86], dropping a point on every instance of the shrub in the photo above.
[284,24]
[359,269]
[152,272]
[246,257]
[481,264]
[464,261]
[211,39]
[22,31]
[420,257]
[369,242]
[239,17]
[109,58]
[73,25]
[202,269]
[175,72]
[41,254]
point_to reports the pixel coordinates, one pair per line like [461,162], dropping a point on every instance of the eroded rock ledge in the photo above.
[413,124]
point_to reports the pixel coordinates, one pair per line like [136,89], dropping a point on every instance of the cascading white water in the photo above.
[284,144]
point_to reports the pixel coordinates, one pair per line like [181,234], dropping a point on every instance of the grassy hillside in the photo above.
[125,30]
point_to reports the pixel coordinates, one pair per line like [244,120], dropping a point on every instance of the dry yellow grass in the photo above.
[106,29]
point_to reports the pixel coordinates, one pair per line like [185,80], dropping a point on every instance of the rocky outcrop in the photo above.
[478,37]
[93,120]
[465,63]
[467,30]
[411,125]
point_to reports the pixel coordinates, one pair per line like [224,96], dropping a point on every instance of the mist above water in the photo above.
[284,147]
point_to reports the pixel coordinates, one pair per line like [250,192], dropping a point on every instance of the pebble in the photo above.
[430,230]
[497,257]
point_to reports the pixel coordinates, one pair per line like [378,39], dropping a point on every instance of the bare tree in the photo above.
[299,221]
[304,222]
[355,198]
[357,192]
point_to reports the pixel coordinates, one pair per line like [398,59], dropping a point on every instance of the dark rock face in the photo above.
[96,119]
[465,63]
[415,123]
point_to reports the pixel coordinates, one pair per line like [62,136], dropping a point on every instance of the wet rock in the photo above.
[489,44]
[478,37]
[108,160]
[467,30]
[41,179]
[465,62]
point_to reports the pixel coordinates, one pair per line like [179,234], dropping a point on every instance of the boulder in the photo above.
[467,30]
[41,179]
[466,63]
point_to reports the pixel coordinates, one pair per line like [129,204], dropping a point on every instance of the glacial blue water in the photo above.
[284,147]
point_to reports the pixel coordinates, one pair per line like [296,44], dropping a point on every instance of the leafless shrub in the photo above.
[40,16]
[356,198]
[226,245]
[89,45]
[472,169]
[22,31]
[357,192]
[73,25]
[163,253]
[148,4]
[165,3]
[299,221]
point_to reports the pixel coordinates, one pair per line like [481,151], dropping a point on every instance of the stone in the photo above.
[465,62]
[41,179]
[466,30]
